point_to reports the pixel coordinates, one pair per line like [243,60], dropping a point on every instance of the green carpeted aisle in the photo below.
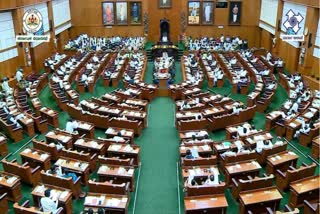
[157,191]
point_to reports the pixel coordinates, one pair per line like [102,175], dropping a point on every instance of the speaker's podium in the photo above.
[164,44]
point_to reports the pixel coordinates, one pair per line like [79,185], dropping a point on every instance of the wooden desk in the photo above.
[65,202]
[204,150]
[200,172]
[125,151]
[205,204]
[315,148]
[126,133]
[28,126]
[79,167]
[85,128]
[3,145]
[10,184]
[120,174]
[90,145]
[65,140]
[304,189]
[241,170]
[52,116]
[257,200]
[36,158]
[110,203]
[281,161]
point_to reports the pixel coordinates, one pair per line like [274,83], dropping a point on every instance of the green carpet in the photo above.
[157,190]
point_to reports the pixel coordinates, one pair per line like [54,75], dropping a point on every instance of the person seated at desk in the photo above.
[229,152]
[279,141]
[213,179]
[295,107]
[14,120]
[271,86]
[57,144]
[48,203]
[84,79]
[128,79]
[119,137]
[56,79]
[269,56]
[60,172]
[190,181]
[71,126]
[306,95]
[189,155]
[305,129]
[236,108]
[185,105]
[261,145]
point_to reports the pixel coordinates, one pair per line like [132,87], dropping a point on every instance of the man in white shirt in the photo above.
[49,204]
[5,86]
[19,75]
[269,56]
[71,126]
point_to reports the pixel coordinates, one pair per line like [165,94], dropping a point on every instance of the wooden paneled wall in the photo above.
[87,18]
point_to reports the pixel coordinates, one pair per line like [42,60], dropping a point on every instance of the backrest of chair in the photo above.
[206,189]
[107,188]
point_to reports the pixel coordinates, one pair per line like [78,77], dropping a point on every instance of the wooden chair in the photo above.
[212,160]
[44,146]
[250,184]
[116,161]
[306,139]
[311,208]
[86,157]
[206,189]
[262,157]
[66,183]
[25,208]
[285,178]
[238,157]
[25,172]
[3,203]
[109,188]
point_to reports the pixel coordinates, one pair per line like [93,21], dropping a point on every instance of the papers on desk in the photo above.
[103,168]
[65,139]
[293,125]
[308,114]
[11,180]
[128,148]
[182,147]
[44,156]
[113,202]
[84,126]
[255,163]
[93,144]
[90,200]
[40,189]
[291,153]
[59,162]
[258,138]
[205,147]
[64,194]
[27,150]
[124,200]
[269,135]
[130,171]
[50,112]
[80,141]
[121,170]
[29,121]
[114,147]
[238,166]
[110,131]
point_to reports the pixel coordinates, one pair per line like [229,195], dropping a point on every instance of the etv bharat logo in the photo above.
[292,22]
[32,21]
